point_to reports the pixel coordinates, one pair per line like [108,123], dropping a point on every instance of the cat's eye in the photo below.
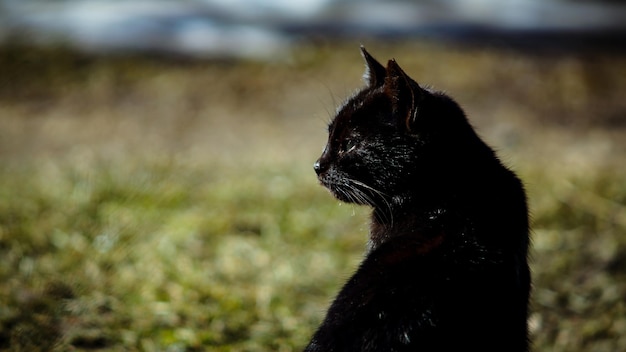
[348,145]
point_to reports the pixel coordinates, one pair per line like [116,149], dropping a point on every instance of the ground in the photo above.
[158,204]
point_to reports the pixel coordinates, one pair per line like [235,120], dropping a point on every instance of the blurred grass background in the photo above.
[170,205]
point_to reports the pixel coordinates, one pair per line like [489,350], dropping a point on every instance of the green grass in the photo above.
[163,255]
[155,206]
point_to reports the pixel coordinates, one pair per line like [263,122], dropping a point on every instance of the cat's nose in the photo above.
[318,167]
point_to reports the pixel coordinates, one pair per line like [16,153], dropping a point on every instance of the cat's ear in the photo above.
[375,73]
[404,92]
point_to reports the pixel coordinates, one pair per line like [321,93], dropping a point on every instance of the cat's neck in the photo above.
[424,211]
[405,220]
[470,204]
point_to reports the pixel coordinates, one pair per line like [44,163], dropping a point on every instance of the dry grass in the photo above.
[158,205]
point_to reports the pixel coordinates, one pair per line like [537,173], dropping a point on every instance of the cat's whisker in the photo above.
[357,196]
[371,200]
[362,193]
[351,197]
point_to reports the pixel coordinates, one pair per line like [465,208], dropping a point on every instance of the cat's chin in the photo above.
[348,189]
[346,198]
[349,195]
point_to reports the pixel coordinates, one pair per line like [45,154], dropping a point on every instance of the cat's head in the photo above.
[385,135]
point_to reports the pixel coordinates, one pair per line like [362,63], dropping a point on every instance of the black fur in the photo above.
[446,267]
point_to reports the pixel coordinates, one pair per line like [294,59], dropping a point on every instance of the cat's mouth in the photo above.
[344,194]
[350,190]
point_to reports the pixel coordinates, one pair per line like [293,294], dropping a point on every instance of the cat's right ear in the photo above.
[375,73]
[404,93]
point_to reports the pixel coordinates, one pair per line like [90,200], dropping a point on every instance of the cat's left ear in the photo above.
[404,92]
[375,73]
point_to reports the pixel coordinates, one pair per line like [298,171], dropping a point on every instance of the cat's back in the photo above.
[410,294]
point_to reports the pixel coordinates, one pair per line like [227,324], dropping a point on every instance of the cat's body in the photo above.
[446,268]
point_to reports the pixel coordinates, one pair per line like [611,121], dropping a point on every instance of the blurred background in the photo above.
[156,183]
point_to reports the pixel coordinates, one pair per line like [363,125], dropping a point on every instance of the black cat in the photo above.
[446,267]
